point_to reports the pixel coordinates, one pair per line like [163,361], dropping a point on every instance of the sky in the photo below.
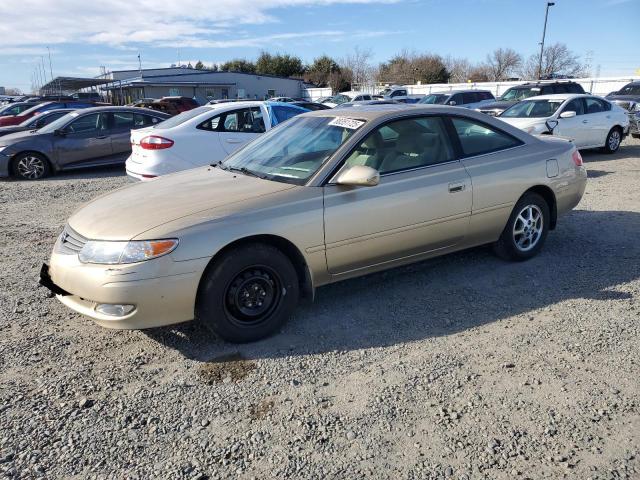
[83,36]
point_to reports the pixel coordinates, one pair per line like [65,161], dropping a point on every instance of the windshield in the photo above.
[630,89]
[533,109]
[59,123]
[182,117]
[294,151]
[340,98]
[386,92]
[514,94]
[434,98]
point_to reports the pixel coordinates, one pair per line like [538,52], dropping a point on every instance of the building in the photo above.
[2,91]
[126,86]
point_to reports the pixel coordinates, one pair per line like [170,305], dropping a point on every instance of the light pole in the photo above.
[544,33]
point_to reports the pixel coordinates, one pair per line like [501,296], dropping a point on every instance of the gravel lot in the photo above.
[464,367]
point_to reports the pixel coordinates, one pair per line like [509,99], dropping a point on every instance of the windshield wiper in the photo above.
[246,171]
[218,164]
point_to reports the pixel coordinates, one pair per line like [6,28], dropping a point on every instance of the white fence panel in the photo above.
[315,93]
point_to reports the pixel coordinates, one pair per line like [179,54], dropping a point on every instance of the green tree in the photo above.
[199,65]
[238,65]
[321,70]
[280,65]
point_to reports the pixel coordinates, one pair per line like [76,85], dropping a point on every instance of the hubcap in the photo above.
[527,229]
[30,167]
[253,295]
[614,140]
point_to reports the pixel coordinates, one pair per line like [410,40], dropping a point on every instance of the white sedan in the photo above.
[202,136]
[589,121]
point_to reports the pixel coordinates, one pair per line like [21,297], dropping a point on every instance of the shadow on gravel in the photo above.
[597,173]
[627,151]
[107,171]
[588,256]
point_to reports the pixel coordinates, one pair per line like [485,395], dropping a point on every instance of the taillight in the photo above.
[154,142]
[577,158]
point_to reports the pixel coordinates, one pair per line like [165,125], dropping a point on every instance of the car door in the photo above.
[239,126]
[574,127]
[599,121]
[121,125]
[422,203]
[84,140]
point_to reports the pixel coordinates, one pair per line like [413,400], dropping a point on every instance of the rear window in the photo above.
[182,117]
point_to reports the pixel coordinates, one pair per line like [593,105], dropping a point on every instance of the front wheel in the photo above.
[248,293]
[31,166]
[526,230]
[614,139]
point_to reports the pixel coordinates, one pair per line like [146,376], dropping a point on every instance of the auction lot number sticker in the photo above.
[349,123]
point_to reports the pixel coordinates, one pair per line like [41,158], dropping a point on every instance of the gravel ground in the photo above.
[464,367]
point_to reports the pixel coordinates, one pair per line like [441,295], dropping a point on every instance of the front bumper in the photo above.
[5,161]
[162,291]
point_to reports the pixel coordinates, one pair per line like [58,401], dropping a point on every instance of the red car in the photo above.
[182,104]
[8,120]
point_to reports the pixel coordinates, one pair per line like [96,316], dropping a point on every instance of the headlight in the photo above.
[110,253]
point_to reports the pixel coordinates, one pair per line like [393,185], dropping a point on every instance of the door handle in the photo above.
[456,187]
[102,137]
[585,121]
[233,140]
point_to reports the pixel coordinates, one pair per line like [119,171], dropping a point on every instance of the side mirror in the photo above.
[551,125]
[452,103]
[569,114]
[359,175]
[59,133]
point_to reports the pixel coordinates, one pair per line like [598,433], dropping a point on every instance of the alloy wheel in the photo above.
[528,227]
[614,140]
[31,167]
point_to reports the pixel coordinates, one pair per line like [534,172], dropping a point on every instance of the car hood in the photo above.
[13,129]
[496,105]
[20,136]
[134,209]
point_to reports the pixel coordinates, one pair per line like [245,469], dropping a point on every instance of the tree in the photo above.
[557,61]
[279,65]
[356,67]
[458,68]
[214,67]
[200,65]
[12,91]
[321,70]
[406,68]
[238,65]
[502,63]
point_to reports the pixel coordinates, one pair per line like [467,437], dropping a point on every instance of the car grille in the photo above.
[70,242]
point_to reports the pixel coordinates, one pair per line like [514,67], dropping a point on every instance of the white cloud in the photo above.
[187,23]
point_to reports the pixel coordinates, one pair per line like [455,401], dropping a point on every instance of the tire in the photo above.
[30,166]
[248,293]
[614,139]
[526,230]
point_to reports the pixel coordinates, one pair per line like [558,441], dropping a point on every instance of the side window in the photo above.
[575,88]
[593,105]
[211,124]
[93,123]
[366,97]
[456,98]
[140,120]
[469,97]
[561,88]
[487,96]
[575,105]
[358,98]
[122,120]
[237,121]
[404,145]
[257,120]
[51,106]
[477,138]
[606,105]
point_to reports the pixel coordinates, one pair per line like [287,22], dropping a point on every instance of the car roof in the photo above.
[558,96]
[467,90]
[148,111]
[374,112]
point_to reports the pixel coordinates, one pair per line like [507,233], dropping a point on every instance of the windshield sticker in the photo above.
[349,123]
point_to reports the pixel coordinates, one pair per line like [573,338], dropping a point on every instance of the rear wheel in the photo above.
[526,230]
[248,293]
[614,139]
[31,166]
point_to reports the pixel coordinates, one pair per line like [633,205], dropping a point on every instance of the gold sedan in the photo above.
[326,196]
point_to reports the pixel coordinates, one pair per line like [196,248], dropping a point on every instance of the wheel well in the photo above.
[549,197]
[13,159]
[286,247]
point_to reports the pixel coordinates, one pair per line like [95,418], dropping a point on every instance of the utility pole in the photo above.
[544,33]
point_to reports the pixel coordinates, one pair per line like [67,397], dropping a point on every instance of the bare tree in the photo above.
[458,68]
[557,61]
[357,68]
[410,67]
[502,63]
